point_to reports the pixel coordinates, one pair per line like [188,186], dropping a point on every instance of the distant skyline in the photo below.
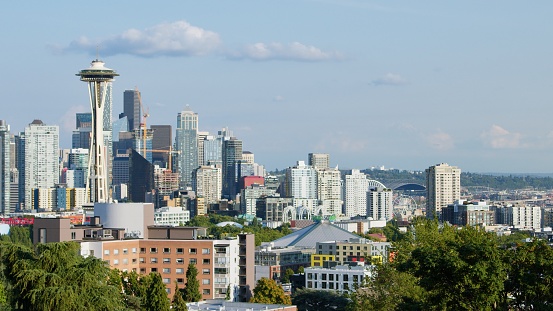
[400,84]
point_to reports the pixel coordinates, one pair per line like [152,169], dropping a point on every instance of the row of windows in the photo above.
[332,277]
[324,285]
[205,261]
[205,291]
[154,250]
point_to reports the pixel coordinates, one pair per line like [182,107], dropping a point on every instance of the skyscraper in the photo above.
[4,167]
[131,108]
[162,140]
[329,190]
[187,145]
[357,185]
[41,158]
[443,187]
[231,156]
[208,183]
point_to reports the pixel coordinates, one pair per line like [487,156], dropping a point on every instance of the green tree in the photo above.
[156,296]
[287,274]
[301,270]
[387,290]
[268,291]
[306,299]
[57,277]
[178,301]
[192,286]
[460,269]
[530,281]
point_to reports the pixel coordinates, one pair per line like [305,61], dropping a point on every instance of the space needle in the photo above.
[98,78]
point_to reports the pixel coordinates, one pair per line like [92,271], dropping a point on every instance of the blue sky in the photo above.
[403,84]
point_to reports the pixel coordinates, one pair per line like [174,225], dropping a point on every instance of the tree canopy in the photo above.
[268,291]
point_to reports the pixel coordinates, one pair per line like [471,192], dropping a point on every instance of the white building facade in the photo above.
[301,181]
[357,185]
[342,278]
[380,204]
[329,190]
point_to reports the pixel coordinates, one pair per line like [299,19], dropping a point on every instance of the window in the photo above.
[168,290]
[323,277]
[142,260]
[125,261]
[134,250]
[116,261]
[310,276]
[206,281]
[153,250]
[346,286]
[142,250]
[142,270]
[73,235]
[166,250]
[134,260]
[331,285]
[180,281]
[205,271]
[166,270]
[206,291]
[179,271]
[153,260]
[125,251]
[206,261]
[106,251]
[355,278]
[166,260]
[166,280]
[205,251]
[192,251]
[180,250]
[180,261]
[331,277]
[346,278]
[193,261]
[309,284]
[115,252]
[323,285]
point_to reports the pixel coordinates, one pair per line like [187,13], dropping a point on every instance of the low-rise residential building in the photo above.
[340,278]
[355,250]
[171,216]
[463,213]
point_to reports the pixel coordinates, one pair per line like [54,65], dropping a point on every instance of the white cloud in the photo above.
[389,79]
[294,51]
[166,39]
[500,138]
[440,141]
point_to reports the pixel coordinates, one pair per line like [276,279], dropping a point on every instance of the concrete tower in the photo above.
[187,145]
[443,187]
[99,80]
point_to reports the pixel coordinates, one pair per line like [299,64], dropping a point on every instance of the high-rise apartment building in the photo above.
[301,181]
[41,158]
[5,168]
[208,183]
[187,145]
[319,160]
[357,185]
[329,190]
[380,204]
[231,156]
[202,137]
[131,108]
[443,187]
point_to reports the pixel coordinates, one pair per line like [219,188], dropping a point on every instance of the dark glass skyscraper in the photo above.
[232,154]
[187,145]
[131,108]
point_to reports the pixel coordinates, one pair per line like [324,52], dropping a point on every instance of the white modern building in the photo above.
[249,196]
[41,158]
[133,217]
[171,216]
[379,203]
[357,185]
[443,187]
[341,278]
[525,217]
[301,181]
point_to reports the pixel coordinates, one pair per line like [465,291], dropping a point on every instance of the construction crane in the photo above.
[143,124]
[170,152]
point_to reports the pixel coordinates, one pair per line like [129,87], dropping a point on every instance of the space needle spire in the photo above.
[98,77]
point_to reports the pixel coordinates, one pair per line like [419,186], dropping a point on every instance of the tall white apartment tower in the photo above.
[357,185]
[186,141]
[301,181]
[5,167]
[329,190]
[443,187]
[380,204]
[41,158]
[99,78]
[208,183]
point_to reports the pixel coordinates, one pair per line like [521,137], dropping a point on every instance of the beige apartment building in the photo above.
[443,187]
